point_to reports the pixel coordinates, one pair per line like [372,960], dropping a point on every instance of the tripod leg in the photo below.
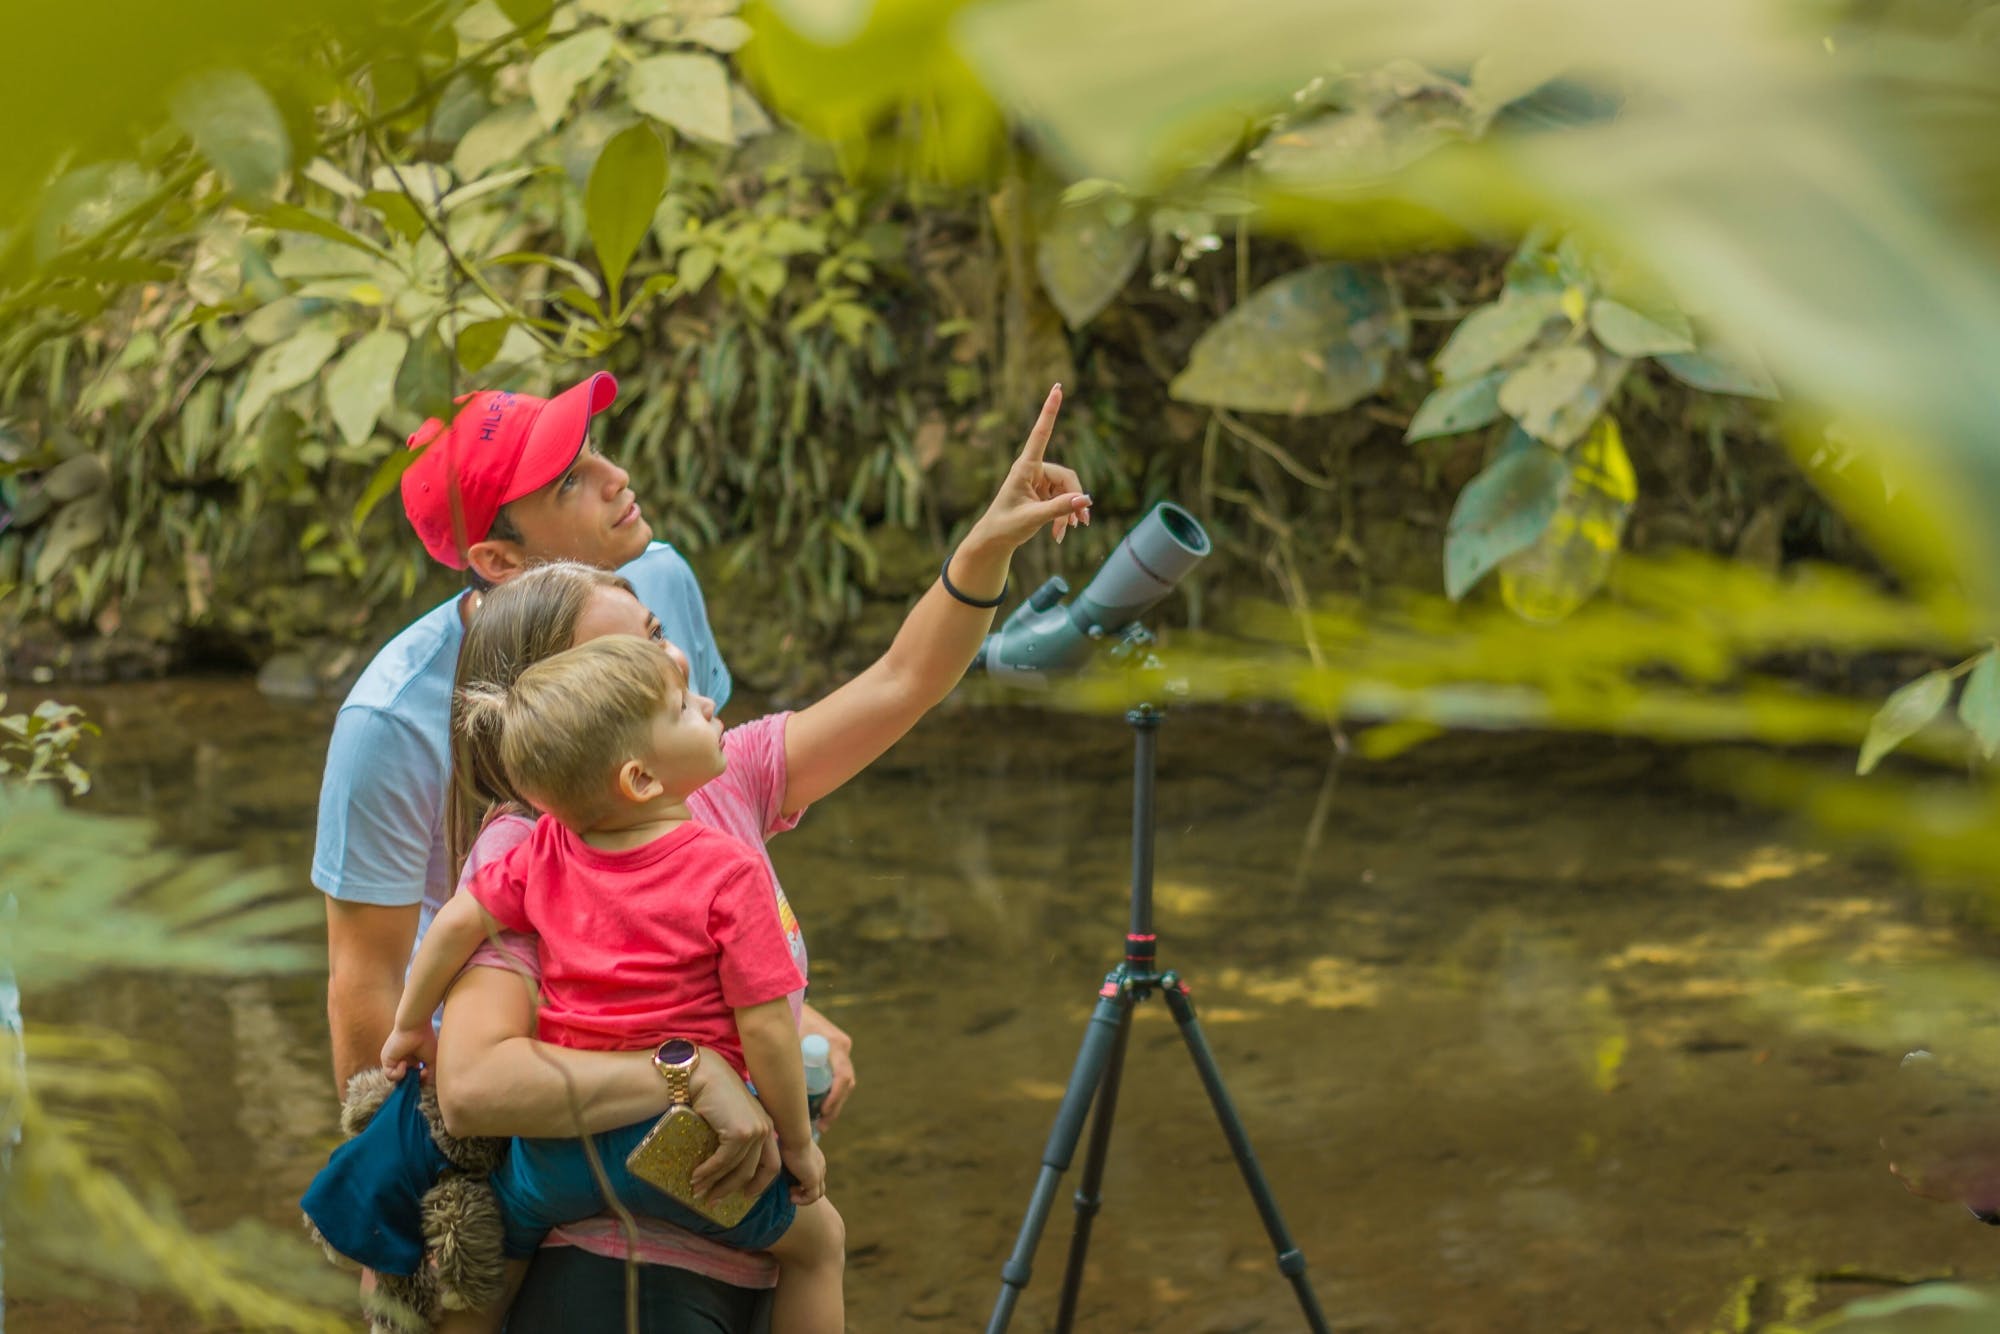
[1106,1022]
[1291,1261]
[1088,1186]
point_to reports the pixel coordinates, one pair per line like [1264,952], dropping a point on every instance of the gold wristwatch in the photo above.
[676,1059]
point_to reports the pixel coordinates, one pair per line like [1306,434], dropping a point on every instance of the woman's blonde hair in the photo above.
[568,722]
[516,625]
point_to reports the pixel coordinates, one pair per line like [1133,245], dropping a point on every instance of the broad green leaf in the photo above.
[827,22]
[1631,333]
[1573,418]
[1493,333]
[1571,559]
[292,218]
[1543,385]
[479,343]
[360,387]
[583,277]
[1462,406]
[1501,511]
[687,91]
[1316,340]
[425,182]
[280,368]
[76,527]
[500,137]
[553,78]
[1085,255]
[424,385]
[237,127]
[1906,712]
[1720,370]
[498,181]
[723,33]
[388,474]
[625,188]
[1979,702]
[397,212]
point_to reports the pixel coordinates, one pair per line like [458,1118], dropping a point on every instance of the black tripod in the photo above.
[1096,1074]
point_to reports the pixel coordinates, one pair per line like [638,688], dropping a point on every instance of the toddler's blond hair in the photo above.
[569,721]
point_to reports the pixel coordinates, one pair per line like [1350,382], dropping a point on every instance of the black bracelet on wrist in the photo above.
[944,577]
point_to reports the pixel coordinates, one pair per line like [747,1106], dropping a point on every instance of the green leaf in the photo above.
[686,90]
[1906,712]
[1493,333]
[292,218]
[424,385]
[1461,406]
[280,368]
[479,343]
[76,527]
[1932,1308]
[1720,370]
[1572,558]
[236,126]
[1501,511]
[723,33]
[553,78]
[625,189]
[397,212]
[1631,333]
[360,387]
[1979,703]
[1084,256]
[1316,340]
[500,137]
[388,475]
[1544,384]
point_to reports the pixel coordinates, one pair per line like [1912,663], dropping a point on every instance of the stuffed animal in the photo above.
[462,1267]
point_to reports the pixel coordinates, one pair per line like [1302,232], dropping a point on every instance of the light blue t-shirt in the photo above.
[381,803]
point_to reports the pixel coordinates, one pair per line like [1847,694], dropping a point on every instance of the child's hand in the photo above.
[406,1045]
[808,1166]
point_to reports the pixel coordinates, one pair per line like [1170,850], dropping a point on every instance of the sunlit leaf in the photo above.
[625,189]
[1316,340]
[553,78]
[687,91]
[1571,559]
[1906,712]
[723,32]
[1979,702]
[237,127]
[1632,333]
[292,218]
[500,137]
[1460,406]
[1543,385]
[829,22]
[1501,511]
[284,366]
[1494,333]
[360,387]
[1085,254]
[1923,1308]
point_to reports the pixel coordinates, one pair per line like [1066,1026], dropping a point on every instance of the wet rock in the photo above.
[325,671]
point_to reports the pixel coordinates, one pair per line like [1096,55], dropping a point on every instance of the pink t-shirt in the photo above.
[638,945]
[746,801]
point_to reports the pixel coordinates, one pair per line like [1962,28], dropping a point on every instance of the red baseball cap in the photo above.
[499,447]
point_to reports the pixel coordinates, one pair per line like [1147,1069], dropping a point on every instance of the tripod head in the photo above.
[1044,637]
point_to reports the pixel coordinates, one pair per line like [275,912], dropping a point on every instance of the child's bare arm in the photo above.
[455,933]
[771,1048]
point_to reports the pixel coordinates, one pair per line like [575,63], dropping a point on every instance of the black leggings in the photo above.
[572,1291]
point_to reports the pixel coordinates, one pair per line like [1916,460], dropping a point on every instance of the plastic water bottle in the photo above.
[819,1073]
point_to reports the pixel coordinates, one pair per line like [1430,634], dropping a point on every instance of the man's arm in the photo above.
[367,948]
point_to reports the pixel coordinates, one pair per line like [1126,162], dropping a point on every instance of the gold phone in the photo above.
[679,1142]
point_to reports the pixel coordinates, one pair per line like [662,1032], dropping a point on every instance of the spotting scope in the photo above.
[1044,636]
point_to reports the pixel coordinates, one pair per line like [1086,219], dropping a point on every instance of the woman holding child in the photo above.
[659,794]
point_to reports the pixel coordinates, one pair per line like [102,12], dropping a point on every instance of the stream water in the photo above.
[1509,1021]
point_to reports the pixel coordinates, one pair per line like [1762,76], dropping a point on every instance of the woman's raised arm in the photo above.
[829,742]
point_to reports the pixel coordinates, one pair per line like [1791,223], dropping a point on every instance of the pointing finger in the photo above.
[1045,425]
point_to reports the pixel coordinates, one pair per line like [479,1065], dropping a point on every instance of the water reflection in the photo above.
[1525,1039]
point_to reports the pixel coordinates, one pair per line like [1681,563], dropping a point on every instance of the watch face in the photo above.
[675,1051]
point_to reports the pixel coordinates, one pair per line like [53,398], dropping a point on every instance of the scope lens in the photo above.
[1182,527]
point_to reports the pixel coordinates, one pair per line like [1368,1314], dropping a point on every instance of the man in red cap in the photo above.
[514,481]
